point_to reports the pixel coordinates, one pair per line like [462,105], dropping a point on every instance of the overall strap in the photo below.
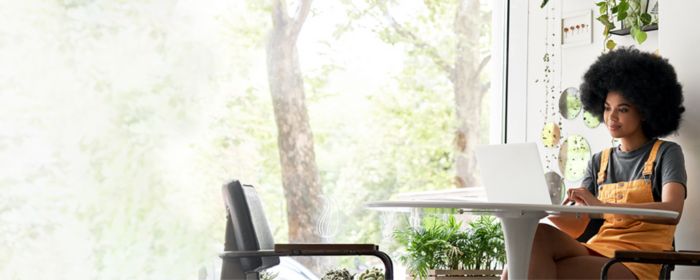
[604,158]
[649,164]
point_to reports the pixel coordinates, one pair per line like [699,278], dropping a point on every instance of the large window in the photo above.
[122,119]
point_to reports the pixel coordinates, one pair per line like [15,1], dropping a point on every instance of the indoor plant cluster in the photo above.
[446,245]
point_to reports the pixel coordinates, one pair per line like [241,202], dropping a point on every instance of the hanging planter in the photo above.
[626,17]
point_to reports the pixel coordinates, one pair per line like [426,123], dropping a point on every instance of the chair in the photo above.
[250,248]
[668,259]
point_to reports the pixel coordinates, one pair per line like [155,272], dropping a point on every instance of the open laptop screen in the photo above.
[512,173]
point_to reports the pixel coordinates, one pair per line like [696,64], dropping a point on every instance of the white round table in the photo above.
[519,221]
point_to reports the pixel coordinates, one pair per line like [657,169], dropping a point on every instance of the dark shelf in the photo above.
[626,31]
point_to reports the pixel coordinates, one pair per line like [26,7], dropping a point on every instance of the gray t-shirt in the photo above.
[628,166]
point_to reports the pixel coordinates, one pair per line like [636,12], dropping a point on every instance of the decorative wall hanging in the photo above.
[589,120]
[570,103]
[577,29]
[550,135]
[556,187]
[550,81]
[574,155]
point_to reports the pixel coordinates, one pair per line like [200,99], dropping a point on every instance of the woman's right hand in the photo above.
[581,196]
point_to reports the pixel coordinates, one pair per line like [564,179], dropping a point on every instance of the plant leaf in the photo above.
[621,15]
[610,45]
[634,30]
[646,18]
[641,37]
[622,7]
[544,3]
[606,21]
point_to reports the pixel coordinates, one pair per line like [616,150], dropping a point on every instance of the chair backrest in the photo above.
[247,228]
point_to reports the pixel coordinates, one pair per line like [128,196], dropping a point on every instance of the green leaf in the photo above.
[610,45]
[646,18]
[621,15]
[623,6]
[641,37]
[603,10]
[634,30]
[606,22]
[601,4]
[638,35]
[544,3]
[614,9]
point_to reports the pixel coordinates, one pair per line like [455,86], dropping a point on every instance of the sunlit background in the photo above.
[122,119]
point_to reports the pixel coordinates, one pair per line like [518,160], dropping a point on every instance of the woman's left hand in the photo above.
[581,196]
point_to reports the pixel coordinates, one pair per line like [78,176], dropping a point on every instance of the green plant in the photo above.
[629,12]
[427,247]
[445,245]
[337,274]
[371,274]
[487,244]
[268,275]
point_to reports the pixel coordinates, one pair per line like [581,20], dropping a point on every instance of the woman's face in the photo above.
[621,117]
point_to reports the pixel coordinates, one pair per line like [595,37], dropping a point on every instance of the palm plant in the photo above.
[445,245]
[487,244]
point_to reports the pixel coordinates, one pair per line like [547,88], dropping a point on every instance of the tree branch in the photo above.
[279,13]
[481,67]
[485,88]
[299,18]
[417,42]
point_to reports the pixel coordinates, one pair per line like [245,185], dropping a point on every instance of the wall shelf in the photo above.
[626,31]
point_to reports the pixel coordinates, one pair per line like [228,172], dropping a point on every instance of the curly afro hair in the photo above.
[645,80]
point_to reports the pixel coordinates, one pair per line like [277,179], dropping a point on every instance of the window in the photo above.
[123,119]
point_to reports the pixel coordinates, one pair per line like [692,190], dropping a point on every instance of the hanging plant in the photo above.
[628,13]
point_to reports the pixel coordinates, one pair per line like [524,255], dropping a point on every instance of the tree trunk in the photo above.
[300,181]
[467,91]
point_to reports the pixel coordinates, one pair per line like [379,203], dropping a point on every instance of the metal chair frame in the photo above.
[250,247]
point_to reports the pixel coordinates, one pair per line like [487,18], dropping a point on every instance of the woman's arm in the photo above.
[672,198]
[573,225]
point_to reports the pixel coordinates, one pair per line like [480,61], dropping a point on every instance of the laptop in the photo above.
[512,173]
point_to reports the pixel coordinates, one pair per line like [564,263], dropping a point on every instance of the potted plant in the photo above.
[629,13]
[338,274]
[442,249]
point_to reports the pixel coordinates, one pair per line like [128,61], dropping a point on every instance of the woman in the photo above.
[638,97]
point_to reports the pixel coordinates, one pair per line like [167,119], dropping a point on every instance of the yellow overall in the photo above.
[621,232]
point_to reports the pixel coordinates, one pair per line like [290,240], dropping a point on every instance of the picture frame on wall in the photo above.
[577,29]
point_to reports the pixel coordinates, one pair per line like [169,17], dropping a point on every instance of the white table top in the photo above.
[495,207]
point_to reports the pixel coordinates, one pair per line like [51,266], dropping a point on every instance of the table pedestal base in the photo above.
[519,231]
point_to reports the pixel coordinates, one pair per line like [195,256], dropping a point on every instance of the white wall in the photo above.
[678,41]
[569,64]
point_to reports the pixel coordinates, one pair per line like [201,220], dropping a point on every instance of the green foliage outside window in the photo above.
[122,119]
